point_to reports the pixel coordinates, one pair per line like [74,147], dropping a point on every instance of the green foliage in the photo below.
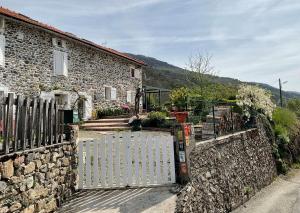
[294,106]
[1,139]
[285,122]
[157,119]
[110,112]
[136,125]
[179,97]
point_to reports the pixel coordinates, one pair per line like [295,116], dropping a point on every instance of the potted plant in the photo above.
[179,99]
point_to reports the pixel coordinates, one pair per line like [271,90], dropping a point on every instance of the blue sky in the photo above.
[252,40]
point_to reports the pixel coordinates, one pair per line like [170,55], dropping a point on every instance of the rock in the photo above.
[29,158]
[65,162]
[55,155]
[3,186]
[51,165]
[41,204]
[208,175]
[29,182]
[16,179]
[14,207]
[29,209]
[29,168]
[19,161]
[51,206]
[7,169]
[38,163]
[44,168]
[4,209]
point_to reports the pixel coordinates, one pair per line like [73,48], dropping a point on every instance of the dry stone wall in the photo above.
[226,172]
[29,64]
[37,180]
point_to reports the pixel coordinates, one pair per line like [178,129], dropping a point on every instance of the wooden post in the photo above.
[45,123]
[51,121]
[32,123]
[8,124]
[39,124]
[18,121]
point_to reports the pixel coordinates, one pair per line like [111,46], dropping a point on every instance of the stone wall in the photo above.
[226,172]
[37,180]
[29,66]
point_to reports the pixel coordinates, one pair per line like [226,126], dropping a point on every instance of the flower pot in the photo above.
[180,116]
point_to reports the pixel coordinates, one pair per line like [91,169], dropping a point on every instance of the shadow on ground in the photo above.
[125,201]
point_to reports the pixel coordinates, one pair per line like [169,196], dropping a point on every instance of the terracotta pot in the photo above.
[180,116]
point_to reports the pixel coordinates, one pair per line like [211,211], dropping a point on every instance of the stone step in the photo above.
[107,128]
[87,125]
[109,120]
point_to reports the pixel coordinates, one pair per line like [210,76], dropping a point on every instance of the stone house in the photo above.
[39,60]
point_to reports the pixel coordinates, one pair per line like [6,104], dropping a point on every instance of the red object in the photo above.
[180,116]
[21,17]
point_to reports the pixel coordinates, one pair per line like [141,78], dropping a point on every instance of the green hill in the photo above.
[161,74]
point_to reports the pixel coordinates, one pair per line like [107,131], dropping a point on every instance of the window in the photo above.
[130,97]
[56,42]
[107,93]
[110,93]
[132,71]
[2,50]
[60,63]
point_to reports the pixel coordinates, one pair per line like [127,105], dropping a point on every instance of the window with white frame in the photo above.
[110,93]
[134,72]
[2,50]
[60,65]
[130,97]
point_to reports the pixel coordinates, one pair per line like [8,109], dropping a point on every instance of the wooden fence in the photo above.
[28,123]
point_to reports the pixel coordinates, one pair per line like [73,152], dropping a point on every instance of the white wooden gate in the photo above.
[126,159]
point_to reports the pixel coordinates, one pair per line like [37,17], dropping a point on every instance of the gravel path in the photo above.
[282,196]
[146,200]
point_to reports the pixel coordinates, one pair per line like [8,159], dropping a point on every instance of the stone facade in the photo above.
[29,61]
[226,172]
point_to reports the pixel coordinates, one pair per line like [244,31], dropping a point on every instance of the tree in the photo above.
[202,70]
[253,99]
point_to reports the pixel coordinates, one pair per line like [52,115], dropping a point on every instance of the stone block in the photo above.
[15,207]
[7,169]
[29,168]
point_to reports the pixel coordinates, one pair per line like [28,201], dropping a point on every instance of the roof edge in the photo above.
[23,18]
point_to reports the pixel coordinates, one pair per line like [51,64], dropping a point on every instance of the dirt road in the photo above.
[282,196]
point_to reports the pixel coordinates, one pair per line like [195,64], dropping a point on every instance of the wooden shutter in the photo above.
[2,50]
[65,63]
[113,93]
[136,73]
[129,97]
[107,93]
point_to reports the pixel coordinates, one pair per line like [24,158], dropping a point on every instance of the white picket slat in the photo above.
[88,163]
[136,160]
[172,161]
[128,159]
[102,148]
[150,159]
[164,158]
[80,165]
[95,164]
[117,159]
[109,143]
[157,160]
[143,152]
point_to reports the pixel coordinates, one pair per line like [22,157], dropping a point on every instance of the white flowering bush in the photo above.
[253,99]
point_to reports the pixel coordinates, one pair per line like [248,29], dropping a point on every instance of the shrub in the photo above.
[179,97]
[253,100]
[294,106]
[111,112]
[157,119]
[285,122]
